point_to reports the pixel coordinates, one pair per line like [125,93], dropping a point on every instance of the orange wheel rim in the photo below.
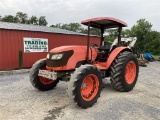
[44,80]
[89,87]
[130,72]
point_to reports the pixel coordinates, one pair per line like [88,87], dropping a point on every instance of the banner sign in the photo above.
[35,45]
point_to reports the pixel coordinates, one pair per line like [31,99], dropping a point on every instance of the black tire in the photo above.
[35,79]
[118,71]
[75,90]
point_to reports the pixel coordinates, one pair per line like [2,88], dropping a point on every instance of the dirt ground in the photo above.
[20,101]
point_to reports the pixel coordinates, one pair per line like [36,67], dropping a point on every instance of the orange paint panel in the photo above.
[101,65]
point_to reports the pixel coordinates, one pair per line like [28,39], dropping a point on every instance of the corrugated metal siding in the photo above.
[1,48]
[30,27]
[11,41]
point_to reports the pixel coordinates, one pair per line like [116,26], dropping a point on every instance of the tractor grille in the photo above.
[61,62]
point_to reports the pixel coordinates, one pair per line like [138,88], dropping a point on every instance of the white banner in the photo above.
[35,44]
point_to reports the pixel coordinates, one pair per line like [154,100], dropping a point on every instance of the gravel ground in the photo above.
[20,101]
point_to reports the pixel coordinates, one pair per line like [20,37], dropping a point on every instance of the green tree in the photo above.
[33,20]
[126,33]
[95,31]
[22,17]
[111,34]
[153,43]
[42,21]
[9,18]
[65,26]
[140,30]
[57,25]
[84,30]
[76,27]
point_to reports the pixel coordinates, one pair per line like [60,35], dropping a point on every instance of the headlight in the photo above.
[56,56]
[47,56]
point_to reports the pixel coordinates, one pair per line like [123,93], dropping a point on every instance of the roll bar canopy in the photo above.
[104,22]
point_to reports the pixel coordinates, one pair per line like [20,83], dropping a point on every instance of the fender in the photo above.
[114,54]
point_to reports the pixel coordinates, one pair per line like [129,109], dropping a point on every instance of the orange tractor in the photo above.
[84,67]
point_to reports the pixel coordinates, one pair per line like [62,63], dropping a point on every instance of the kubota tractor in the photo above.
[84,67]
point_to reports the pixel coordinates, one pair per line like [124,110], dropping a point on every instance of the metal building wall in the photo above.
[1,49]
[11,41]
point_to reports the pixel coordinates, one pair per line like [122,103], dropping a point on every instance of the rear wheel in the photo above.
[85,86]
[39,82]
[124,71]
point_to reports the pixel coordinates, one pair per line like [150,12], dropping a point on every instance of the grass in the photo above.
[156,56]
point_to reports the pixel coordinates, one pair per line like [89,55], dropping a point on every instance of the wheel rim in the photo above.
[44,80]
[130,72]
[89,87]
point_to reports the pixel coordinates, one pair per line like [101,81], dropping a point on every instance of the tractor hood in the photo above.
[67,57]
[67,48]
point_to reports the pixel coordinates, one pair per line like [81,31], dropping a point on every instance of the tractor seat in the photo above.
[101,53]
[105,48]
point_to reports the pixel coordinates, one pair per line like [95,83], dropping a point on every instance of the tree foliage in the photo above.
[33,20]
[147,40]
[76,27]
[140,30]
[152,43]
[10,18]
[42,21]
[23,18]
[111,35]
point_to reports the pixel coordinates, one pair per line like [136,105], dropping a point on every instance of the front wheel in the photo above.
[39,82]
[85,86]
[124,71]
